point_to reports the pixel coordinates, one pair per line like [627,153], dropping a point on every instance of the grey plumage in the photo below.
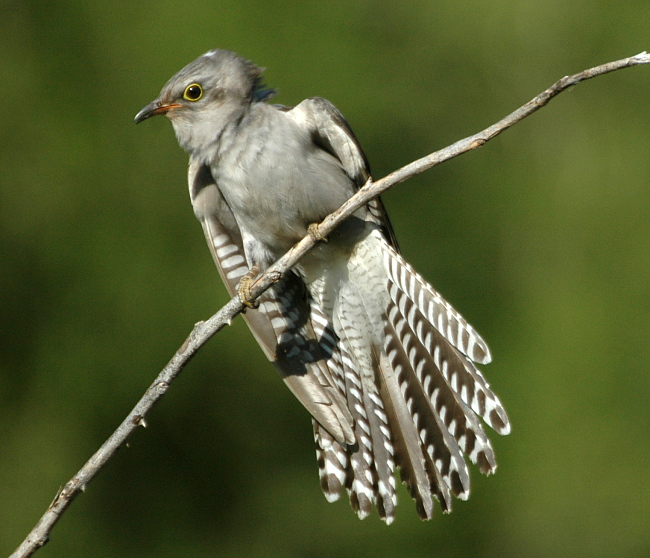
[382,362]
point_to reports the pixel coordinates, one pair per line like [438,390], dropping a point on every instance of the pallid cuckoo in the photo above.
[383,363]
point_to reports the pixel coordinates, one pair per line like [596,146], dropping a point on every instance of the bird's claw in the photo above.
[244,288]
[314,232]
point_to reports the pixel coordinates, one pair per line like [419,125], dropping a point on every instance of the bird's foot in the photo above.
[244,288]
[314,232]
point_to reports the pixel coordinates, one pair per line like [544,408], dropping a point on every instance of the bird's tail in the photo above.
[405,363]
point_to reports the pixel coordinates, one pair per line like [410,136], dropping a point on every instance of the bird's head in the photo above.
[205,96]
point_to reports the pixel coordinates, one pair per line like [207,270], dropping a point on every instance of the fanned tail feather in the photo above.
[374,452]
[437,311]
[332,462]
[432,367]
[369,464]
[418,408]
[449,341]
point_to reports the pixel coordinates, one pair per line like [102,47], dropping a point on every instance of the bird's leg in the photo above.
[314,232]
[244,287]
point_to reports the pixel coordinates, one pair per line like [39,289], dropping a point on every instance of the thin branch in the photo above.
[203,331]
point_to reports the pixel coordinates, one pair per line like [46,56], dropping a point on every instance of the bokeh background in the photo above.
[541,239]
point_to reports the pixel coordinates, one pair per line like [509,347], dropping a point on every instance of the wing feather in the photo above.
[281,325]
[331,132]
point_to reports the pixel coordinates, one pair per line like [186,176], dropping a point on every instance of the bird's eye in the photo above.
[193,92]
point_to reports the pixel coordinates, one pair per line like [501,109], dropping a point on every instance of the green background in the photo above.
[541,239]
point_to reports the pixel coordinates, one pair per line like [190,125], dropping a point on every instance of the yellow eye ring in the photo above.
[193,92]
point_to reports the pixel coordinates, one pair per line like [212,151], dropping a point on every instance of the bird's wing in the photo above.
[330,131]
[282,324]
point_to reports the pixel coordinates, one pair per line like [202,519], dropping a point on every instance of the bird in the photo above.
[386,367]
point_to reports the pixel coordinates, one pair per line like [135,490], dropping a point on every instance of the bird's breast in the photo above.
[277,182]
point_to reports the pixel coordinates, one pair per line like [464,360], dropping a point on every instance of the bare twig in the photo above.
[203,331]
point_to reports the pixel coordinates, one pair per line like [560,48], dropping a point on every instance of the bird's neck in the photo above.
[206,138]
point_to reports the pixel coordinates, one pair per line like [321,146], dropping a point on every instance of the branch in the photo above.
[203,331]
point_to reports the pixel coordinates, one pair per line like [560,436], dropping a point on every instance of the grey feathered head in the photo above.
[206,95]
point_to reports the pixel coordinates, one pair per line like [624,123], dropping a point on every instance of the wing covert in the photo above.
[330,131]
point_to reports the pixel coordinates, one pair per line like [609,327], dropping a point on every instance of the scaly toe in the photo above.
[314,232]
[244,288]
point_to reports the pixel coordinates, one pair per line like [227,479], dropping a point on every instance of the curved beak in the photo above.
[153,109]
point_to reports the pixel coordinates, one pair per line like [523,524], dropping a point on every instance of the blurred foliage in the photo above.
[541,239]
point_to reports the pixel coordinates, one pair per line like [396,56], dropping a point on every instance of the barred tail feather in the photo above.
[460,373]
[437,311]
[369,464]
[361,482]
[408,455]
[422,307]
[414,401]
[373,455]
[440,402]
[332,462]
[438,444]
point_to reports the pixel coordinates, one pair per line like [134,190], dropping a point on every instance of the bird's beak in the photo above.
[152,109]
